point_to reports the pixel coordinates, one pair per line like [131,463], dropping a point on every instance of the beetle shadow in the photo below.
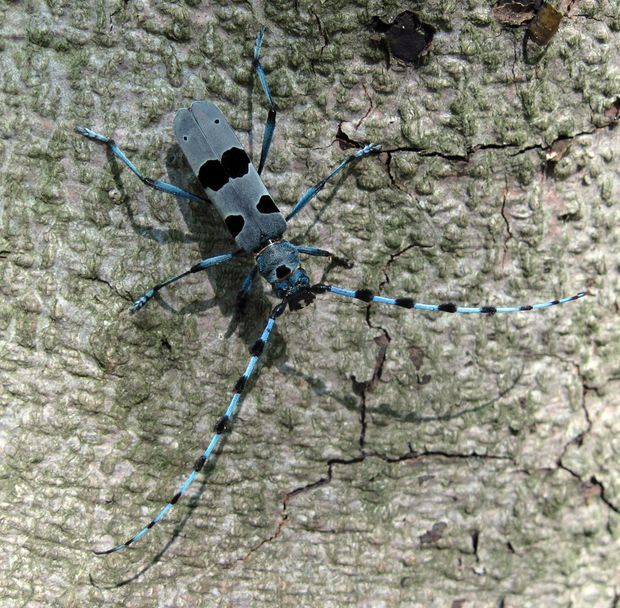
[192,504]
[350,401]
[206,228]
[460,409]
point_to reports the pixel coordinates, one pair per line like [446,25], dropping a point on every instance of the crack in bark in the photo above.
[472,150]
[508,231]
[361,388]
[391,175]
[410,455]
[475,539]
[592,482]
[586,413]
[97,279]
[578,440]
[393,257]
[370,108]
[281,523]
[413,455]
[322,32]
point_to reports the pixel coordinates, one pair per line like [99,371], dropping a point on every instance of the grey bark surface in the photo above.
[382,457]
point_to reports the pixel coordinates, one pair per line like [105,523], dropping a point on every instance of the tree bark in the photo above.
[382,456]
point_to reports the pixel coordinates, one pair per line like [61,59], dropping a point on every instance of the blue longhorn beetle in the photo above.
[234,186]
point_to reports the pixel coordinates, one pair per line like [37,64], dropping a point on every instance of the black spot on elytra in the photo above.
[266,205]
[234,223]
[235,162]
[212,175]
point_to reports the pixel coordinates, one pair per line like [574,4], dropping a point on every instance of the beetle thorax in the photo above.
[278,263]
